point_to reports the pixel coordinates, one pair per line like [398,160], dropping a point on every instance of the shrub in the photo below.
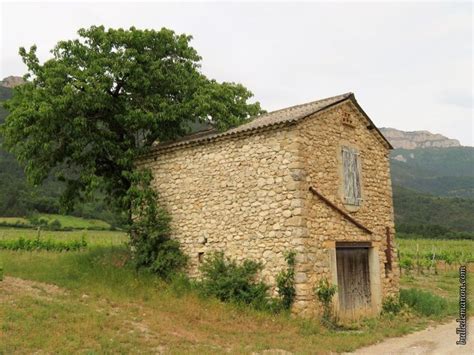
[424,302]
[391,305]
[54,225]
[169,259]
[42,222]
[229,282]
[325,292]
[149,232]
[157,253]
[406,263]
[180,284]
[286,282]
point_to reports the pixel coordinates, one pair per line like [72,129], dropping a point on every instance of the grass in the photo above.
[93,238]
[426,303]
[445,284]
[14,220]
[103,305]
[115,309]
[75,222]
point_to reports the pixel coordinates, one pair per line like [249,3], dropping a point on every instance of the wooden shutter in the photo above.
[351,173]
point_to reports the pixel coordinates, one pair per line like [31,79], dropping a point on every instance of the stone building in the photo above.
[313,178]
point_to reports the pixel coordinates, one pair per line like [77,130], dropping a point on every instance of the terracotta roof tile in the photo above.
[289,114]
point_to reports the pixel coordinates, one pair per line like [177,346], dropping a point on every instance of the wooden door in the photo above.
[353,279]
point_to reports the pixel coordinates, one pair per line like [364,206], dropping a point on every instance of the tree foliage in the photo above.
[104,98]
[429,215]
[150,231]
[19,199]
[325,291]
[286,281]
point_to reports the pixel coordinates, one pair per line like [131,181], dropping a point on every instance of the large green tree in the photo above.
[104,98]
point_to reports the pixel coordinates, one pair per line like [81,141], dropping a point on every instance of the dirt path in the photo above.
[11,287]
[433,340]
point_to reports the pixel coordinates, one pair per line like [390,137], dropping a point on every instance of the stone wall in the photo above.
[321,139]
[234,195]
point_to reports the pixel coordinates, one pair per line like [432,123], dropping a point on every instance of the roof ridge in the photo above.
[294,107]
[288,115]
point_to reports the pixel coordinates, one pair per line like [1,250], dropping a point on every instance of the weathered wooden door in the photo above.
[353,279]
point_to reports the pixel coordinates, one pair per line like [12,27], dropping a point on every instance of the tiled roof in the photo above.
[292,113]
[286,115]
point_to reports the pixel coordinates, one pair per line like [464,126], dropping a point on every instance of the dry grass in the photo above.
[103,306]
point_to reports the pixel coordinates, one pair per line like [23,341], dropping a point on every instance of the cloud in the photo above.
[409,64]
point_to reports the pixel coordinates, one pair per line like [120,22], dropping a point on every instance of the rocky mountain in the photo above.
[11,81]
[417,139]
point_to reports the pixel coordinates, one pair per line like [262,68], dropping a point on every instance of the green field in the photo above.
[427,256]
[428,245]
[75,222]
[93,301]
[93,238]
[66,221]
[14,220]
[455,252]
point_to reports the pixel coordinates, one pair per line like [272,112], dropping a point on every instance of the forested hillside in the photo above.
[438,171]
[421,213]
[433,190]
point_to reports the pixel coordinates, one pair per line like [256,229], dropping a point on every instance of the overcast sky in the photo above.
[409,65]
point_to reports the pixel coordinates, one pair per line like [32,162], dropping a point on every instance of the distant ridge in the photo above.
[11,81]
[417,139]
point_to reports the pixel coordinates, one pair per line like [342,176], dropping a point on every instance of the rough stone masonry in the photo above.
[282,182]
